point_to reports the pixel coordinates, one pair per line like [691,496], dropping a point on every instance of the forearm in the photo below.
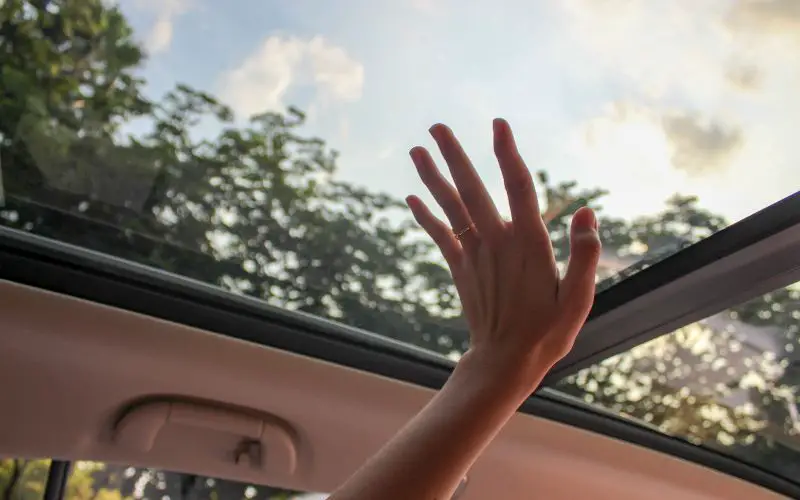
[428,458]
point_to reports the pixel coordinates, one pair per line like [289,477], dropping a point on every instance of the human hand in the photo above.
[523,317]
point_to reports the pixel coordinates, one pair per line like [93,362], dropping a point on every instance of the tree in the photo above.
[22,479]
[257,209]
[67,85]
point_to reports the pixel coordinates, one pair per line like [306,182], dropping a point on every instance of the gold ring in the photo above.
[460,234]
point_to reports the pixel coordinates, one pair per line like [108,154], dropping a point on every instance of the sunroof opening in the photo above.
[729,382]
[166,137]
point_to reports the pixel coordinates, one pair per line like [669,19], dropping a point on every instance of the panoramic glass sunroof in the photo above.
[181,134]
[263,148]
[730,382]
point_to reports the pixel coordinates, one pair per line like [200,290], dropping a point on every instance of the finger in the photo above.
[437,230]
[519,185]
[445,195]
[473,193]
[576,292]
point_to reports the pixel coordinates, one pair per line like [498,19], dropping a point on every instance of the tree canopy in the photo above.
[258,209]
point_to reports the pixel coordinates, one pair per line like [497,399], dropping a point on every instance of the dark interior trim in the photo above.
[752,257]
[758,226]
[57,476]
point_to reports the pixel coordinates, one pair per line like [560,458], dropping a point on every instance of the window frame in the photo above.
[56,483]
[749,258]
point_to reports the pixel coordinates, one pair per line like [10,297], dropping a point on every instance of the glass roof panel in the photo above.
[181,134]
[730,382]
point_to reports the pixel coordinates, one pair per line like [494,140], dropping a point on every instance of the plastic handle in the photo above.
[139,429]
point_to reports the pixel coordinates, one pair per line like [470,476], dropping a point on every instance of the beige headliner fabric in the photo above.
[70,367]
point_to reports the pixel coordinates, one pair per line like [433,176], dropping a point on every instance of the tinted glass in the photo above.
[730,382]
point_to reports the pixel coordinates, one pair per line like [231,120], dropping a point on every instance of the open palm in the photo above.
[516,304]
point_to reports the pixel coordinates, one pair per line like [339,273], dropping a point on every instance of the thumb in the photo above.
[576,292]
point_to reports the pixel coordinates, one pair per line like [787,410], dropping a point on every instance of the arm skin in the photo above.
[428,458]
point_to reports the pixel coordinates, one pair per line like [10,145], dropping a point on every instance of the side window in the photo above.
[23,479]
[100,481]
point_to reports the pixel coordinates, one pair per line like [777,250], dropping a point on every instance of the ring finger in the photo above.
[447,197]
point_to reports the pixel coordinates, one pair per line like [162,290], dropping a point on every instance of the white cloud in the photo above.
[262,81]
[696,50]
[700,145]
[662,48]
[766,17]
[639,142]
[334,70]
[625,148]
[744,76]
[710,99]
[159,37]
[645,154]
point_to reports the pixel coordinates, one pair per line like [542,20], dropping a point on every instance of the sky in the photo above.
[644,98]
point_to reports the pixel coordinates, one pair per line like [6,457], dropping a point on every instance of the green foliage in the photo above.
[23,479]
[257,209]
[67,82]
[26,480]
[99,481]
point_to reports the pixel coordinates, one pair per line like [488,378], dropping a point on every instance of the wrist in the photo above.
[511,377]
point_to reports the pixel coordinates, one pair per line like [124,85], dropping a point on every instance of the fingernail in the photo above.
[501,127]
[584,219]
[436,131]
[497,125]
